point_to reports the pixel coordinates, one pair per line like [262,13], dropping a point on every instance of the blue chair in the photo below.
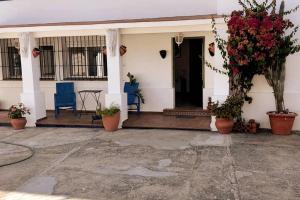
[65,97]
[132,98]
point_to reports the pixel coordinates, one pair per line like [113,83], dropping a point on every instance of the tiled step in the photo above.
[187,112]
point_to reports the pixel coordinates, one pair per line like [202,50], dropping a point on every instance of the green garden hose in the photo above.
[23,159]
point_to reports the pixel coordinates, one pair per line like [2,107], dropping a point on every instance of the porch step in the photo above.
[187,112]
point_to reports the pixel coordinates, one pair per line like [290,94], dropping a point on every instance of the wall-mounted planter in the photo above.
[123,50]
[36,52]
[163,54]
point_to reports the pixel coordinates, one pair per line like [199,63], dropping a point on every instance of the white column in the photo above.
[32,96]
[115,93]
[221,81]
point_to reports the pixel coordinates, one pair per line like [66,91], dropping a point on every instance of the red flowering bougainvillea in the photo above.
[252,45]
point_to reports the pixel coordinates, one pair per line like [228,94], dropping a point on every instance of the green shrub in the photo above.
[113,109]
[230,109]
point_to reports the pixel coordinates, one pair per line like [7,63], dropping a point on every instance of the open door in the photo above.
[188,72]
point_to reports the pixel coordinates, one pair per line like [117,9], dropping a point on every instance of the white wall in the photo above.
[143,60]
[263,100]
[10,93]
[45,11]
[48,87]
[156,74]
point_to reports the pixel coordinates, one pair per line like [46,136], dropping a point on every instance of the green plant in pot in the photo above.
[281,120]
[227,112]
[133,82]
[16,114]
[110,117]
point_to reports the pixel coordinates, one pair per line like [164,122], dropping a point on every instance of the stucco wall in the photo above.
[10,93]
[156,74]
[263,100]
[143,60]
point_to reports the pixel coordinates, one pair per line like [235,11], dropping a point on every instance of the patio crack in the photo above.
[232,170]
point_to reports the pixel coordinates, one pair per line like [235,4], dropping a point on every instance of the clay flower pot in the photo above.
[111,123]
[224,125]
[123,50]
[18,124]
[282,124]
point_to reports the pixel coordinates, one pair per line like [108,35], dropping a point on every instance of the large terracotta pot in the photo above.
[18,124]
[111,123]
[282,124]
[224,125]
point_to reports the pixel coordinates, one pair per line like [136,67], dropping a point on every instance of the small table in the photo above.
[83,94]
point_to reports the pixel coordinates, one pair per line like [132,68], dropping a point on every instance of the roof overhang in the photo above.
[127,26]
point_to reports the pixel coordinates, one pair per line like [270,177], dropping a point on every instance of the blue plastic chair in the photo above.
[132,98]
[65,97]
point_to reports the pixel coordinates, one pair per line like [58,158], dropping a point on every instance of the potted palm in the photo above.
[16,114]
[282,119]
[227,112]
[110,117]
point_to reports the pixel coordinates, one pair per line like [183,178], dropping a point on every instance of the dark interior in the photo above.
[188,65]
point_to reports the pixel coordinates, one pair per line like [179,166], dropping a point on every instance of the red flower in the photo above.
[253,22]
[235,71]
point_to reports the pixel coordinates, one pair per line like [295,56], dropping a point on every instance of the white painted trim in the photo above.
[99,29]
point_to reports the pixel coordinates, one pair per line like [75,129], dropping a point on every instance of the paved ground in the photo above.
[148,165]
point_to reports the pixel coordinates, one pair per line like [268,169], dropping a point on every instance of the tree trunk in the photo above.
[276,79]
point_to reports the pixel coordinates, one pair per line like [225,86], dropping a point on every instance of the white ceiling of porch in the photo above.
[51,11]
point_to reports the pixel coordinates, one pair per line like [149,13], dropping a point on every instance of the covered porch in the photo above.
[145,120]
[66,56]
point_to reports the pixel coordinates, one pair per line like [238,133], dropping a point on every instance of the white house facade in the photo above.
[72,36]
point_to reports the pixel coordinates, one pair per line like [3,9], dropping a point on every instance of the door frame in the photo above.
[173,64]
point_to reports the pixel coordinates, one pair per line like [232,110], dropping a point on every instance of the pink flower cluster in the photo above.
[18,111]
[253,39]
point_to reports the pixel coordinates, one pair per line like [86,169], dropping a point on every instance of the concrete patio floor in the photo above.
[77,164]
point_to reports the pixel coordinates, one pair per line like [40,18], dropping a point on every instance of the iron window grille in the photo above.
[10,59]
[47,63]
[73,58]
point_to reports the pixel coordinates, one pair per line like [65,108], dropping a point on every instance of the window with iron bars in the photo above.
[73,58]
[10,59]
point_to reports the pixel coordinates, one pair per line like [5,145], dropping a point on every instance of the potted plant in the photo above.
[227,112]
[16,114]
[282,119]
[133,87]
[110,117]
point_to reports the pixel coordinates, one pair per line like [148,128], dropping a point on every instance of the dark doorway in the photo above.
[188,65]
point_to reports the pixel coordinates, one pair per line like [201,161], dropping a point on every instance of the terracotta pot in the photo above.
[282,124]
[123,50]
[111,123]
[36,52]
[18,124]
[224,126]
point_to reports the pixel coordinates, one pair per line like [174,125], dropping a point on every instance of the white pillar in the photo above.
[32,96]
[221,81]
[115,93]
